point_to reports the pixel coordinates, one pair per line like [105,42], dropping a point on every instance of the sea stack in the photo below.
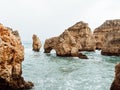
[36,43]
[11,57]
[103,30]
[116,83]
[74,39]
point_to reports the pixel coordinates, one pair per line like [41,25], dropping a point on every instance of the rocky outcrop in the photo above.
[11,57]
[105,28]
[76,38]
[111,45]
[36,43]
[116,83]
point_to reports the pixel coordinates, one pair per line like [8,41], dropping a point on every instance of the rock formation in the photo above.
[116,83]
[36,43]
[11,57]
[101,31]
[111,45]
[76,38]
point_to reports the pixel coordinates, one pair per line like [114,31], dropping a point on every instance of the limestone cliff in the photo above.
[74,39]
[11,57]
[116,83]
[111,45]
[36,43]
[101,31]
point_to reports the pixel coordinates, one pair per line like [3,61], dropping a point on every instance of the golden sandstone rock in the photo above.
[116,83]
[11,57]
[107,37]
[103,30]
[76,38]
[112,44]
[36,43]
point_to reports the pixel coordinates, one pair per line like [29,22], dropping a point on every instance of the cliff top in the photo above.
[109,25]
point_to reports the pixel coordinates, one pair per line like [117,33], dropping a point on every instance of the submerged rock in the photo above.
[76,38]
[82,56]
[11,57]
[36,43]
[116,83]
[105,28]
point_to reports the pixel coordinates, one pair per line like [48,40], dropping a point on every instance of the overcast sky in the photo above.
[48,18]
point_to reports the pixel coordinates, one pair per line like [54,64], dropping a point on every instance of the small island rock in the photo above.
[36,43]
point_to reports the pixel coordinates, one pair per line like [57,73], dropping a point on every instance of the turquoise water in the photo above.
[50,72]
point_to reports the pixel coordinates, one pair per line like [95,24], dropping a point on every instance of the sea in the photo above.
[51,72]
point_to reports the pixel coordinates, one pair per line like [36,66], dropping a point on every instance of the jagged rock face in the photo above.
[36,43]
[101,31]
[11,57]
[116,83]
[76,38]
[112,44]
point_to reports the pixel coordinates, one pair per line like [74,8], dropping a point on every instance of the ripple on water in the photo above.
[49,72]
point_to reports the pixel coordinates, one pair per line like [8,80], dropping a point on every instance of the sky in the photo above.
[49,18]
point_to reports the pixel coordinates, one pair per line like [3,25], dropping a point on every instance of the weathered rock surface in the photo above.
[111,45]
[116,83]
[36,43]
[76,38]
[105,28]
[11,57]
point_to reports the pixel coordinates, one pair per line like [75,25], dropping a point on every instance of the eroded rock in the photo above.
[74,39]
[116,83]
[11,57]
[36,43]
[105,28]
[111,45]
